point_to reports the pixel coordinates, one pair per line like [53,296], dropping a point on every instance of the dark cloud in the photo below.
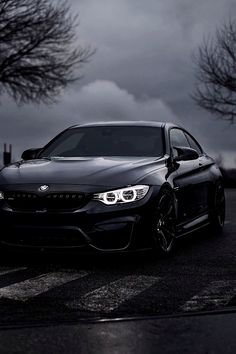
[142,70]
[99,100]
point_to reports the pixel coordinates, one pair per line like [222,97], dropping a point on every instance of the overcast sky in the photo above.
[142,69]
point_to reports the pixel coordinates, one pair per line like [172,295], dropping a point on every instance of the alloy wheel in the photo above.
[165,223]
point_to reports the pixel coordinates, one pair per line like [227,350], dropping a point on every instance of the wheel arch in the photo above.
[167,186]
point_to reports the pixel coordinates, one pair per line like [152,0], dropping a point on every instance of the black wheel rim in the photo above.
[165,223]
[220,205]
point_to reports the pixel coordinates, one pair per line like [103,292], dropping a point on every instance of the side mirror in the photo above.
[30,154]
[185,154]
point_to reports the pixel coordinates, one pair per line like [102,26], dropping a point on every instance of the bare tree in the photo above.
[38,51]
[216,73]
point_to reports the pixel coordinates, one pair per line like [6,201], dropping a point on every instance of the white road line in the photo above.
[11,270]
[29,288]
[217,294]
[111,296]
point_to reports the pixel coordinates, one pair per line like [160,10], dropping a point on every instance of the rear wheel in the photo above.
[164,223]
[218,212]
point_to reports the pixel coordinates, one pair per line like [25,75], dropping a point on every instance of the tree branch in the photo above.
[38,52]
[215,73]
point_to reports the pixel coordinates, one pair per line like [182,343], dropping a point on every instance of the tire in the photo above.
[164,223]
[218,210]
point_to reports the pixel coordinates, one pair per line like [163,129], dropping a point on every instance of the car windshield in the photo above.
[107,141]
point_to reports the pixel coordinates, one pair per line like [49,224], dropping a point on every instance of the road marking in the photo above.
[11,270]
[111,296]
[217,294]
[29,288]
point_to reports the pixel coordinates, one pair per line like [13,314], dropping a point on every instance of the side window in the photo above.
[178,138]
[193,144]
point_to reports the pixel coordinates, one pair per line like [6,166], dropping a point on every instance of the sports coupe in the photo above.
[111,186]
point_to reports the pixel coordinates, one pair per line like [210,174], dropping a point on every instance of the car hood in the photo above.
[96,171]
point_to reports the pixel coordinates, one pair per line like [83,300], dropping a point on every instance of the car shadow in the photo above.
[63,259]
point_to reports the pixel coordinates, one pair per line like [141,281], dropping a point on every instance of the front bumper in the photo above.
[95,227]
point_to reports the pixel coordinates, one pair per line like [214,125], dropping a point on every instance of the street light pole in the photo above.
[7,154]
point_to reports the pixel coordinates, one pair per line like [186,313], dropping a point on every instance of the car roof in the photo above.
[137,123]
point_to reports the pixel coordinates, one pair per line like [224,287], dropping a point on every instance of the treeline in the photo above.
[228,172]
[229,176]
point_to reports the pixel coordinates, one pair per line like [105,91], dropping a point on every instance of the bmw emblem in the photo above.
[43,188]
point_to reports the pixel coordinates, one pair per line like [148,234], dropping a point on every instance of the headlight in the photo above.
[1,195]
[121,196]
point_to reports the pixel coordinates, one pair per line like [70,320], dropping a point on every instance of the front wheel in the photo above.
[164,223]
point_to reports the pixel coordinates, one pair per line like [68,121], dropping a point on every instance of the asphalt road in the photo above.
[47,289]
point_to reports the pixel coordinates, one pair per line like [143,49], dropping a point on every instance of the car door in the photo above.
[204,180]
[186,183]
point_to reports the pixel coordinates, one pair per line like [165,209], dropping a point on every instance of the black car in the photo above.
[113,186]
